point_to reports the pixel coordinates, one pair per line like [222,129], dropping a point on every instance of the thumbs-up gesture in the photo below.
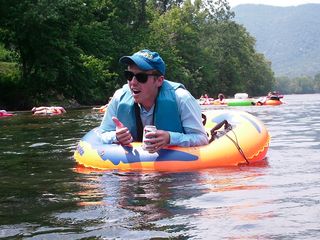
[122,132]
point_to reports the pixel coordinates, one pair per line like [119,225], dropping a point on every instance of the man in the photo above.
[149,99]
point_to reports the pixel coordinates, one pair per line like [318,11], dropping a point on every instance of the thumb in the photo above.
[117,122]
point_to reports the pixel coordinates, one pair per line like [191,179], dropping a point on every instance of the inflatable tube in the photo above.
[218,102]
[44,111]
[205,101]
[246,143]
[273,102]
[241,96]
[269,103]
[101,109]
[3,113]
[240,102]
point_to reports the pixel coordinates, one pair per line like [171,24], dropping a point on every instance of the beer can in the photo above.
[147,129]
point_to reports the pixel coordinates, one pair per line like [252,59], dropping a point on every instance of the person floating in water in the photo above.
[221,100]
[4,113]
[53,110]
[149,99]
[205,99]
[270,96]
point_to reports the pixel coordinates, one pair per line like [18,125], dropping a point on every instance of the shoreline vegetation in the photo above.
[43,64]
[79,107]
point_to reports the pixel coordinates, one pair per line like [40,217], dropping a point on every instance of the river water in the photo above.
[44,195]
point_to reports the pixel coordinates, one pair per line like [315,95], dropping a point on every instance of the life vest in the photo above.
[166,114]
[274,97]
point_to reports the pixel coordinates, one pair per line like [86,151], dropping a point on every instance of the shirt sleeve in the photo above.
[107,126]
[190,112]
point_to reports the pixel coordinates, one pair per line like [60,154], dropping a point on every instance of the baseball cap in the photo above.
[145,60]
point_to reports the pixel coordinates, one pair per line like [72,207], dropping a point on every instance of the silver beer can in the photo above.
[147,129]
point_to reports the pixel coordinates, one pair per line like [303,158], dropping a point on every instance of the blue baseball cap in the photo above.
[145,60]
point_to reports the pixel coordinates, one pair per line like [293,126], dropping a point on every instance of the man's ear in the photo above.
[160,80]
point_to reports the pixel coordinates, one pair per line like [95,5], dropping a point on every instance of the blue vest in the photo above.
[166,115]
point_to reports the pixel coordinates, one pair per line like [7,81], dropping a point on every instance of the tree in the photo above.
[317,83]
[203,48]
[55,40]
[165,5]
[70,48]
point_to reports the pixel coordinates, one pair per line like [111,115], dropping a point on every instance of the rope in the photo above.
[238,146]
[227,127]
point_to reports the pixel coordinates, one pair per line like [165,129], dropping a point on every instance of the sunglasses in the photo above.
[141,77]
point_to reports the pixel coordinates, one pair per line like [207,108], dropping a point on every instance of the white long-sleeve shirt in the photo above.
[189,110]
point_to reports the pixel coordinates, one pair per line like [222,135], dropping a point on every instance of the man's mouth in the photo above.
[135,91]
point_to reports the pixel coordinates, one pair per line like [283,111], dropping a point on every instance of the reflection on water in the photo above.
[166,202]
[45,195]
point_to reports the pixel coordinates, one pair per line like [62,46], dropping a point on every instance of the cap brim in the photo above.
[137,60]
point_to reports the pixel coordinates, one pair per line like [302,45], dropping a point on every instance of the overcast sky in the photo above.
[273,2]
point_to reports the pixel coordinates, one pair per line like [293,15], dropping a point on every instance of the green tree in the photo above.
[42,33]
[165,5]
[55,39]
[282,84]
[70,48]
[317,83]
[175,35]
[203,48]
[238,67]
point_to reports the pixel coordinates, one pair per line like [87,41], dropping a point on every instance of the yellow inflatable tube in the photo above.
[244,142]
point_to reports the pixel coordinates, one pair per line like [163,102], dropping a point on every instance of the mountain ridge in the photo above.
[288,36]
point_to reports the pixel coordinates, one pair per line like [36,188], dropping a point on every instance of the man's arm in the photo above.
[107,126]
[190,112]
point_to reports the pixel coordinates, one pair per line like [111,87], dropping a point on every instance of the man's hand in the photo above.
[122,132]
[156,140]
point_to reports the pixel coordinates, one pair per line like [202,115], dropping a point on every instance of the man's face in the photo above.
[144,93]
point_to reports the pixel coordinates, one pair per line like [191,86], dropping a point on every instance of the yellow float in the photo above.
[238,138]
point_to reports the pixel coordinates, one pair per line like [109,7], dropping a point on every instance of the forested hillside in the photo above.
[288,36]
[69,50]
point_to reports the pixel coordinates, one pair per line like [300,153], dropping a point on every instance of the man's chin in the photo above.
[136,99]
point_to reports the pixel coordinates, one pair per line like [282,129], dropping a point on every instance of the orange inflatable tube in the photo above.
[245,142]
[273,102]
[269,102]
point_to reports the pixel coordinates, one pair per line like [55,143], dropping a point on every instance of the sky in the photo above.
[282,3]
